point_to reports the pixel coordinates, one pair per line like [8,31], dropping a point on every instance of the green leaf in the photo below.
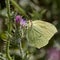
[3,36]
[40,33]
[18,8]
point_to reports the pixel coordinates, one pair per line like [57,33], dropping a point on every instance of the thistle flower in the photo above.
[23,22]
[20,20]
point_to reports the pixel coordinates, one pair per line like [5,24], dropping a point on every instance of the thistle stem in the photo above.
[9,30]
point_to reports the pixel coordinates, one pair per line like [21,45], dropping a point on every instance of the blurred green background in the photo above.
[46,10]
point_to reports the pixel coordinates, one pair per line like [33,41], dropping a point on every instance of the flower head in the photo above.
[23,22]
[19,20]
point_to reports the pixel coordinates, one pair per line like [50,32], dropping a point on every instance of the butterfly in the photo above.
[39,34]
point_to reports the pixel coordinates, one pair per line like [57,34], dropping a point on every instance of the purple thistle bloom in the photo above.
[23,22]
[18,19]
[53,54]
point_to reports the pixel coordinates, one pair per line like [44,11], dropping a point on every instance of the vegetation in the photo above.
[29,30]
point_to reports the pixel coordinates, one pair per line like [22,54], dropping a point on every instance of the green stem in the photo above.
[23,53]
[7,51]
[8,8]
[21,49]
[9,31]
[8,12]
